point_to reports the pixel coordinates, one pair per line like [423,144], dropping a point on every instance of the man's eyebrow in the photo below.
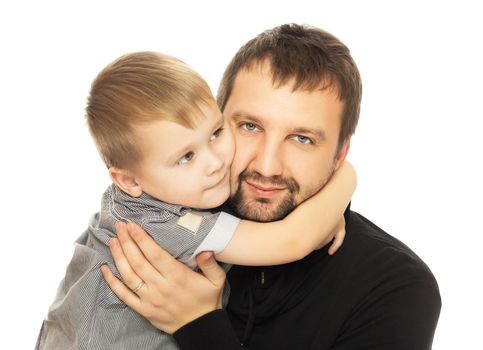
[245,117]
[317,133]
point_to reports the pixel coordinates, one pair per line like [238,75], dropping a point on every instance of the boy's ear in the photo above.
[342,154]
[125,181]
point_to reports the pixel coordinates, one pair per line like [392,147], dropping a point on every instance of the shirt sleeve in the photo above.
[212,331]
[193,232]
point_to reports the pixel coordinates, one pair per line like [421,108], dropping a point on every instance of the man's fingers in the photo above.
[157,257]
[210,268]
[129,259]
[122,292]
[131,279]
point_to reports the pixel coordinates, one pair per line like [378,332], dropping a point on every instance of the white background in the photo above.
[417,149]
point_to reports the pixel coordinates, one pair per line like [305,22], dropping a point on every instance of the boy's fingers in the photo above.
[122,292]
[338,240]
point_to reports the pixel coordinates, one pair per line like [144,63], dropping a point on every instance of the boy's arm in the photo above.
[309,226]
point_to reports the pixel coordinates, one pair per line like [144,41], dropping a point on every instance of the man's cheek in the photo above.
[234,181]
[237,167]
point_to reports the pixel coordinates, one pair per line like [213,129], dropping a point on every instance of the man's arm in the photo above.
[212,331]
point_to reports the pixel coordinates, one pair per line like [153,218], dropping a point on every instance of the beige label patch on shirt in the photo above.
[190,222]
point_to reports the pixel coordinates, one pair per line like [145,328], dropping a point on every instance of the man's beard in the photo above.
[254,209]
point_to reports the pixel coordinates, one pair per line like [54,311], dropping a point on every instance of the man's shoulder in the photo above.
[369,247]
[366,236]
[387,283]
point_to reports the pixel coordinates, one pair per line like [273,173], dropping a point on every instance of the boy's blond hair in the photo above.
[138,88]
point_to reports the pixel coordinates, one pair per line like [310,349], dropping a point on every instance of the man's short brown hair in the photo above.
[312,58]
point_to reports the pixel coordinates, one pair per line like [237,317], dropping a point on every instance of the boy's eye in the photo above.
[249,126]
[186,158]
[216,134]
[302,139]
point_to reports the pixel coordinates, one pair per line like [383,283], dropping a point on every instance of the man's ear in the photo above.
[125,181]
[342,153]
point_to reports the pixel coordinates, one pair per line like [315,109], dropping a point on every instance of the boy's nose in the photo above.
[214,162]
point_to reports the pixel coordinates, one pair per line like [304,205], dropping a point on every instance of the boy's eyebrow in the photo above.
[175,154]
[221,119]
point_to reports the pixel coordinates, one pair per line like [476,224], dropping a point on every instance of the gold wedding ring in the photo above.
[135,290]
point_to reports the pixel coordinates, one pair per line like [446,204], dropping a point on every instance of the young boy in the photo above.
[168,151]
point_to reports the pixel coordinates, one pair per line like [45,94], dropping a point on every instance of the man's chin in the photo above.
[262,209]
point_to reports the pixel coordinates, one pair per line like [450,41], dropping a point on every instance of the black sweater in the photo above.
[374,293]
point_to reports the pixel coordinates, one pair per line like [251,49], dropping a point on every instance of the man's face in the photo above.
[286,144]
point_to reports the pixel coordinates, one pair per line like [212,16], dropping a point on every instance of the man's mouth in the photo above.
[264,191]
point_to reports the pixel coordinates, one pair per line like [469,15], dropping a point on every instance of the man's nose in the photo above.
[268,159]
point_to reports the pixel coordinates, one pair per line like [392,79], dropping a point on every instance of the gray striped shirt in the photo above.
[86,314]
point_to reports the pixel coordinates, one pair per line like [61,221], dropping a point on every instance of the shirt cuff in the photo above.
[211,331]
[220,235]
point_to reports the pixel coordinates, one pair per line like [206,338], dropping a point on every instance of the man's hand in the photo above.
[162,289]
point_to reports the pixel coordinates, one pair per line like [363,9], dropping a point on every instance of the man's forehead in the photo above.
[263,69]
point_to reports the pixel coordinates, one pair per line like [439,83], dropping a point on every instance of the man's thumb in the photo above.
[210,268]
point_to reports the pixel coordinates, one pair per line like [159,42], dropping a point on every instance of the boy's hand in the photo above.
[160,288]
[338,235]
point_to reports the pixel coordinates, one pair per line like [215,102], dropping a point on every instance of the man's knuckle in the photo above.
[137,265]
[157,303]
[154,256]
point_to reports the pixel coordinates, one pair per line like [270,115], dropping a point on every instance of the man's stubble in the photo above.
[262,209]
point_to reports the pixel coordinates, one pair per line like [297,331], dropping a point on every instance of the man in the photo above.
[292,96]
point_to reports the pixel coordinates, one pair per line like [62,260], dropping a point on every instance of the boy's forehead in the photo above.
[159,140]
[203,111]
[198,120]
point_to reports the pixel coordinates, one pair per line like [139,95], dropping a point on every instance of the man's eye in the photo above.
[249,127]
[186,158]
[216,134]
[302,139]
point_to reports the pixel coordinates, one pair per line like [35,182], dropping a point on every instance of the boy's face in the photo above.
[189,167]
